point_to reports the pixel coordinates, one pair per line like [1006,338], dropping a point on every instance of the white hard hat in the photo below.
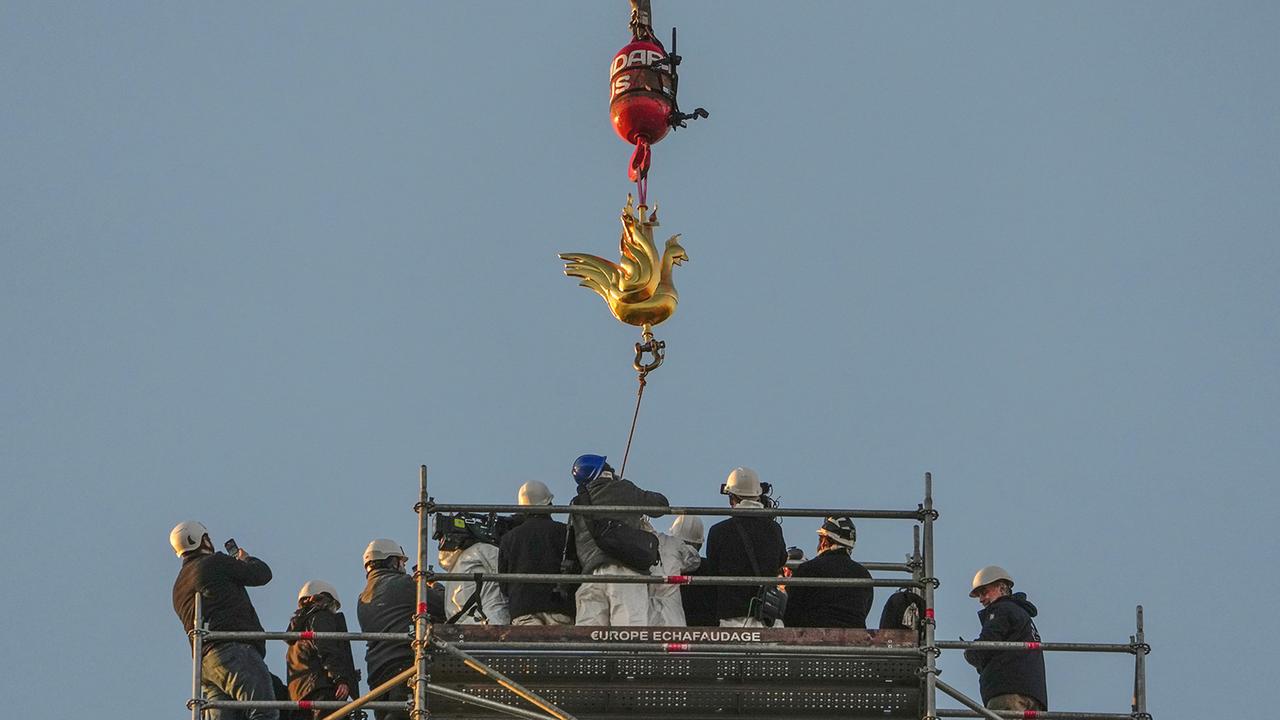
[381,549]
[743,482]
[315,587]
[688,528]
[988,575]
[186,536]
[535,493]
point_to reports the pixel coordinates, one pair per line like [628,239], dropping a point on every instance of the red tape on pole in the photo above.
[679,579]
[422,608]
[677,647]
[928,612]
[308,635]
[1033,646]
[1030,714]
[304,704]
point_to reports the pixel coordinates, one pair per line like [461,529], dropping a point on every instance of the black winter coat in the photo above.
[316,667]
[895,615]
[1000,671]
[387,605]
[728,556]
[699,601]
[221,581]
[845,607]
[534,546]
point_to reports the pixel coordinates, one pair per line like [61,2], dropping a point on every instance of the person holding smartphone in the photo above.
[231,670]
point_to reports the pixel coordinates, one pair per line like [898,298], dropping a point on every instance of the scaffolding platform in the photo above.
[701,673]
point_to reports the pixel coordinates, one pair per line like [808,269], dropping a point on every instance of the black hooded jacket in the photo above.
[221,581]
[316,667]
[1001,672]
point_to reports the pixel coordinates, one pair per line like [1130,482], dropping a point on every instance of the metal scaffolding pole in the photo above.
[966,700]
[421,621]
[541,579]
[1038,715]
[1010,646]
[1140,669]
[677,510]
[504,681]
[706,648]
[929,581]
[243,635]
[197,660]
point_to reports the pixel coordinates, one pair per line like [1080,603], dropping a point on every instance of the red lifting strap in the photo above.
[308,635]
[676,647]
[679,579]
[639,161]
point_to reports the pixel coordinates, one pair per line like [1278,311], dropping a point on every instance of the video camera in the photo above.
[462,530]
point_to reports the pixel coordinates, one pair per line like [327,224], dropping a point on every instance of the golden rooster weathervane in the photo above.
[638,288]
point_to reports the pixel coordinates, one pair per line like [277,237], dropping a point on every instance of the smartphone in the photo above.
[232,548]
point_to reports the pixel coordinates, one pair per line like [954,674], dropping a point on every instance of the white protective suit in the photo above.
[613,604]
[481,557]
[676,557]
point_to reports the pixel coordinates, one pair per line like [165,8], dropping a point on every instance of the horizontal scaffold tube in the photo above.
[659,510]
[1036,646]
[1038,715]
[537,579]
[306,635]
[710,648]
[296,704]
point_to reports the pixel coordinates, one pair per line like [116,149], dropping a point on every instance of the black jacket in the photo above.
[316,667]
[1002,671]
[699,601]
[387,605]
[609,491]
[728,556]
[845,607]
[221,581]
[534,546]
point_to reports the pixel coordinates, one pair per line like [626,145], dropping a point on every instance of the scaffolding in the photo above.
[582,672]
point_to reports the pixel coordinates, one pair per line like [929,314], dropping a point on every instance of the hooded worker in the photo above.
[625,548]
[1008,680]
[677,556]
[536,545]
[320,669]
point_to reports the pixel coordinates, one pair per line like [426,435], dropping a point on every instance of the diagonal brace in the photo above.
[503,680]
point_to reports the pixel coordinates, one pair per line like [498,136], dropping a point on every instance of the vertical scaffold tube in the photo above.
[1140,670]
[197,659]
[421,622]
[931,653]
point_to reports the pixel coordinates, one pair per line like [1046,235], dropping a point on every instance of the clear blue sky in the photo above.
[259,262]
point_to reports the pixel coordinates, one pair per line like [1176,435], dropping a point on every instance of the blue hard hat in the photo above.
[587,468]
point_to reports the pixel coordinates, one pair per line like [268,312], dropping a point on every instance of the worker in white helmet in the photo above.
[1008,680]
[747,546]
[388,604]
[320,669]
[677,557]
[535,546]
[230,669]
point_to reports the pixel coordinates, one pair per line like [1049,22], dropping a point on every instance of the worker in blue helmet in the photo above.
[612,544]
